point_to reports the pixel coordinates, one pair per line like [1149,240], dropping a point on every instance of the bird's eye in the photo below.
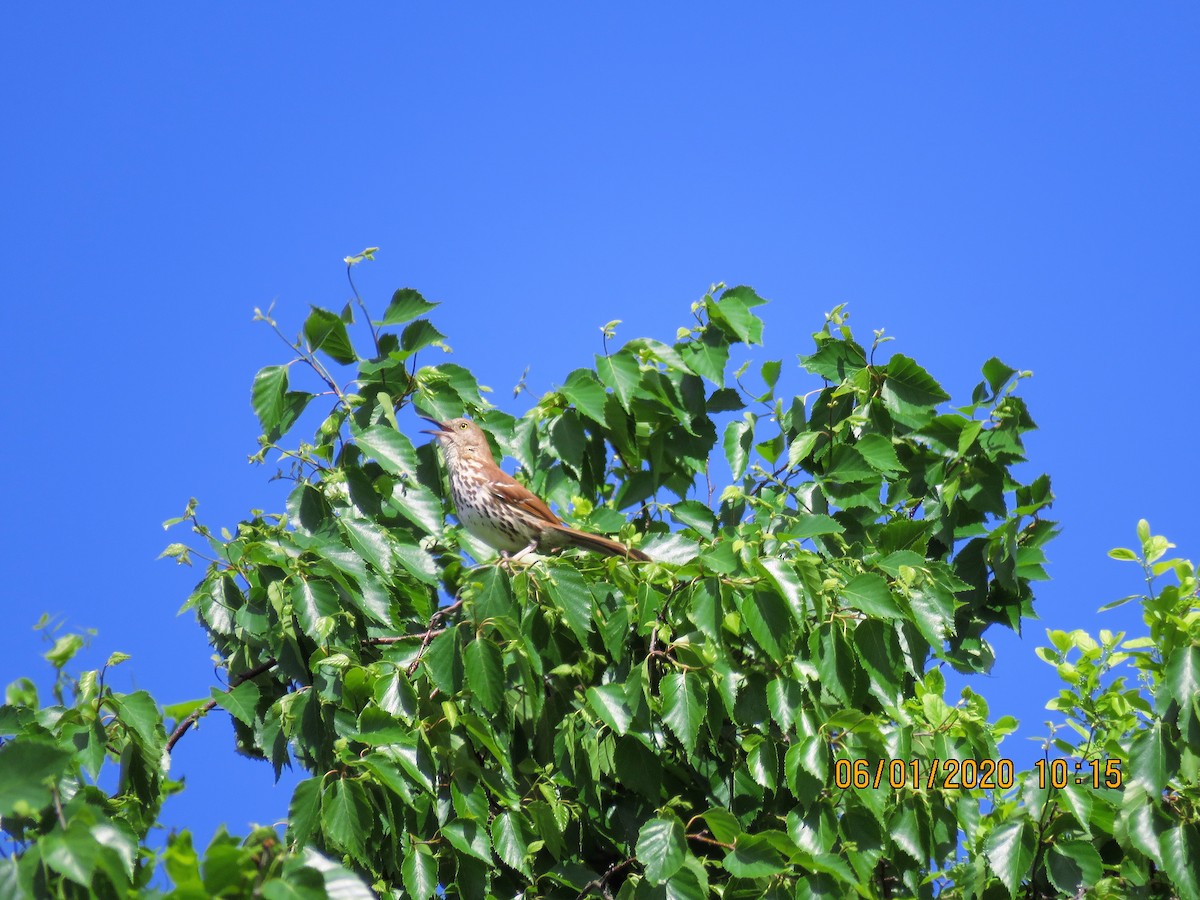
[462,425]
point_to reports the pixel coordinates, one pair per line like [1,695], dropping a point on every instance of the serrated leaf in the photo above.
[660,848]
[869,592]
[801,446]
[418,335]
[739,437]
[325,331]
[1181,849]
[732,313]
[369,541]
[315,603]
[470,838]
[812,526]
[785,579]
[304,811]
[621,372]
[240,702]
[1010,848]
[509,842]
[753,857]
[346,815]
[277,408]
[419,871]
[584,390]
[695,514]
[406,305]
[1073,865]
[570,593]
[879,453]
[685,705]
[610,705]
[484,668]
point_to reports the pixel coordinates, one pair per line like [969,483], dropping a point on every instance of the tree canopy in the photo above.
[759,712]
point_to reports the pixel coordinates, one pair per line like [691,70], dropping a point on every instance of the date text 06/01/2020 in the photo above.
[971,774]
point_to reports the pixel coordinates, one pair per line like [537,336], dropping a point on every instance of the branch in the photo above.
[599,883]
[191,719]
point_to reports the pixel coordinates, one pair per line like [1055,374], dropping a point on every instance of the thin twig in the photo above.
[599,883]
[707,840]
[386,641]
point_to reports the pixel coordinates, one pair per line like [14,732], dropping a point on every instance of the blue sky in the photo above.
[980,180]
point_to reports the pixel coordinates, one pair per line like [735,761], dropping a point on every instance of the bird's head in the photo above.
[460,437]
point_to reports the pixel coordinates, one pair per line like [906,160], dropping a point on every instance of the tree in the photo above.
[758,713]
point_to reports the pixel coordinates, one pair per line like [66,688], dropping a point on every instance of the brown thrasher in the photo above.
[500,511]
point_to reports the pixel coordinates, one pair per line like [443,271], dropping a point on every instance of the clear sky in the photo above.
[1017,180]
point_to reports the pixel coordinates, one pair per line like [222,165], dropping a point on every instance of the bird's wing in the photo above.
[512,491]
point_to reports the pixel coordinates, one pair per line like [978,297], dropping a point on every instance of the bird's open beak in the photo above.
[442,428]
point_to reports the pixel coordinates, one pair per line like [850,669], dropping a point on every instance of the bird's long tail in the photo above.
[599,544]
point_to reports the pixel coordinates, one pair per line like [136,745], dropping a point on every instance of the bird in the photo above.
[498,509]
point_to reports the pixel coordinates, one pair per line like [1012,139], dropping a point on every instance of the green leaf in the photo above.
[570,593]
[707,355]
[1073,865]
[73,853]
[879,453]
[1151,757]
[277,408]
[1146,826]
[418,335]
[406,305]
[485,673]
[346,816]
[64,650]
[770,372]
[685,705]
[419,871]
[753,856]
[869,592]
[933,613]
[584,390]
[997,374]
[1181,849]
[1124,554]
[1180,682]
[510,842]
[732,313]
[140,714]
[801,447]
[391,449]
[767,619]
[661,848]
[326,331]
[1010,848]
[785,579]
[910,393]
[695,514]
[315,603]
[723,824]
[739,436]
[240,702]
[610,705]
[304,811]
[811,526]
[369,541]
[622,373]
[470,838]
